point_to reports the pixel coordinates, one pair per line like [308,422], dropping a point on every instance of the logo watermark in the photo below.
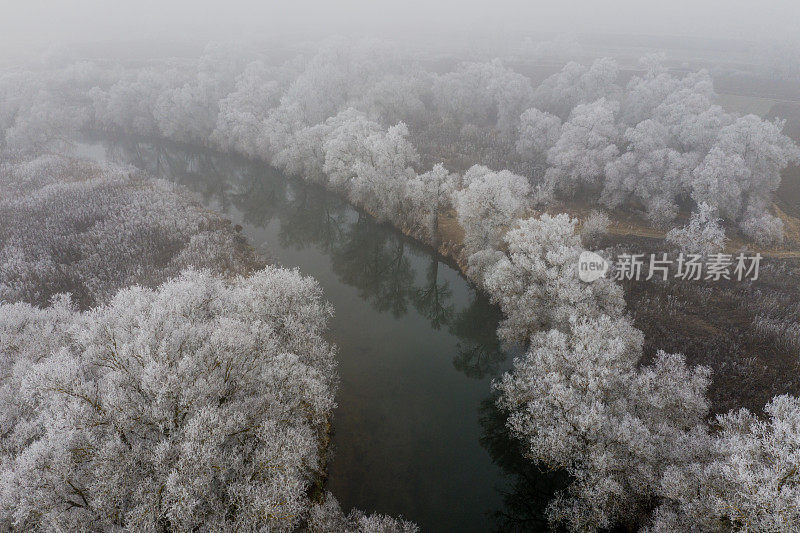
[693,267]
[592,266]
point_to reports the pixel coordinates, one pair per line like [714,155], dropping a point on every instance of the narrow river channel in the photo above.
[415,432]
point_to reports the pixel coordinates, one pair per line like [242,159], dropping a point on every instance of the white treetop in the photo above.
[200,404]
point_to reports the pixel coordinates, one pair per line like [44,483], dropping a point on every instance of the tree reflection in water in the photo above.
[366,255]
[376,260]
[312,217]
[480,353]
[433,300]
[532,487]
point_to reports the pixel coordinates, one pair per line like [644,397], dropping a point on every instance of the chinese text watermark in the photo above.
[694,267]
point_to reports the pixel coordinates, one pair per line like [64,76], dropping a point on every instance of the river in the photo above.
[415,432]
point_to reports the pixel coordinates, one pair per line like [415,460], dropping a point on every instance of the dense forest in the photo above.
[157,374]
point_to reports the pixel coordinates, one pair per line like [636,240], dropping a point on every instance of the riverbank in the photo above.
[713,324]
[165,324]
[414,400]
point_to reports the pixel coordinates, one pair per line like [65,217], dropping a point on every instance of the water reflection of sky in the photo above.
[416,431]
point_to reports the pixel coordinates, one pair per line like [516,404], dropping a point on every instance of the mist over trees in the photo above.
[140,393]
[366,119]
[406,145]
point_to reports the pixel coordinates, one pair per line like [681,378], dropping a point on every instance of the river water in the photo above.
[416,432]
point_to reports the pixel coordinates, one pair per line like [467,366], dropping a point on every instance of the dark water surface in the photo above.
[415,432]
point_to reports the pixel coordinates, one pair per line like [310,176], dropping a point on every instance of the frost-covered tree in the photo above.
[328,517]
[303,154]
[428,195]
[512,93]
[44,109]
[381,178]
[242,113]
[645,94]
[278,128]
[577,84]
[28,336]
[189,113]
[338,73]
[580,402]
[536,282]
[751,482]
[128,105]
[538,132]
[743,169]
[702,235]
[650,172]
[461,96]
[345,146]
[397,98]
[202,404]
[719,180]
[89,229]
[585,147]
[684,105]
[593,227]
[483,94]
[762,227]
[46,121]
[487,205]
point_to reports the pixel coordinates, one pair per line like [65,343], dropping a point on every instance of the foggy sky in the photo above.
[24,23]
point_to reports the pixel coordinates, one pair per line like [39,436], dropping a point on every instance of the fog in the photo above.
[24,25]
[322,266]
